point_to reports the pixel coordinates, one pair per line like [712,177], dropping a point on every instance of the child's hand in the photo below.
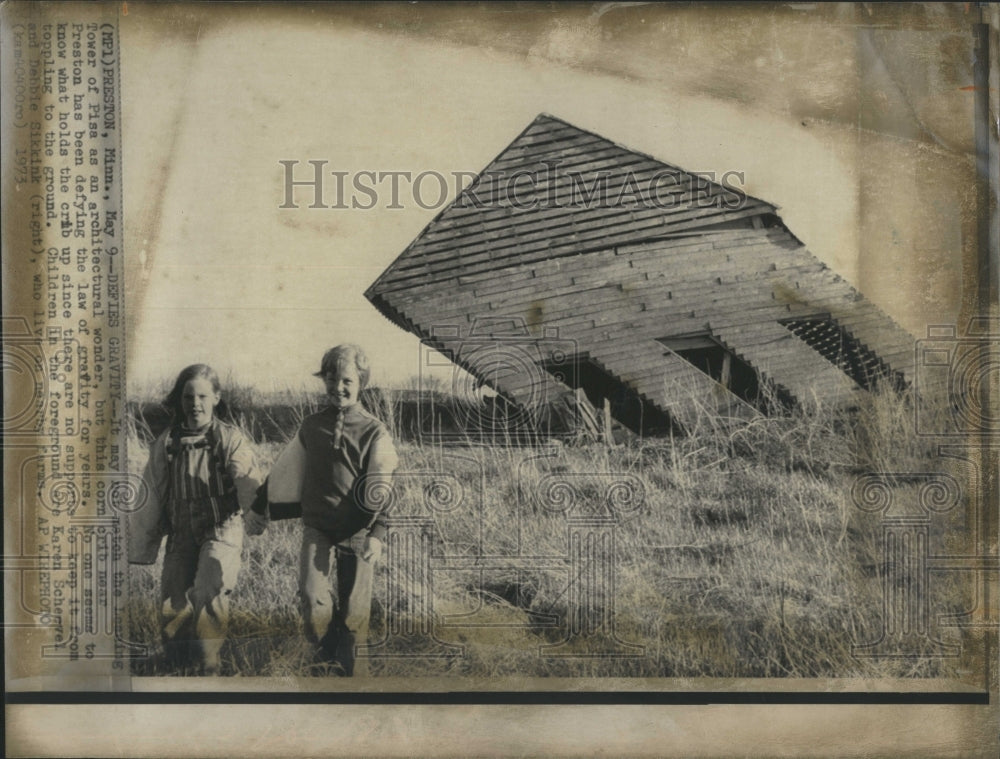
[373,549]
[255,523]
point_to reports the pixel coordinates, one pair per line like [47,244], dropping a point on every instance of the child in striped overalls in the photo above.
[200,477]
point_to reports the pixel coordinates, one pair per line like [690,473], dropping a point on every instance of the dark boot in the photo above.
[329,653]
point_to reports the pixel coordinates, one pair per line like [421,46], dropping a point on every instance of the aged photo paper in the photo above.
[403,379]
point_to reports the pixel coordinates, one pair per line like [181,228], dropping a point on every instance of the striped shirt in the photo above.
[202,478]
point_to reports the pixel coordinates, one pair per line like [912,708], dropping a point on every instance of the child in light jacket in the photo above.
[200,477]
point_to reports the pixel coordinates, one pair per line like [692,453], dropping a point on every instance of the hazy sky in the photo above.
[214,99]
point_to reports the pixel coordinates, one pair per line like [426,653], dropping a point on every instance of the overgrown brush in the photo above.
[744,555]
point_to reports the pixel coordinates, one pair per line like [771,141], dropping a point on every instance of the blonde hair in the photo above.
[343,355]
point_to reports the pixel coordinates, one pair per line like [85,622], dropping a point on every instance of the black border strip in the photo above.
[600,698]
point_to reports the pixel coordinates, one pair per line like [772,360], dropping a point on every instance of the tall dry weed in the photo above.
[745,558]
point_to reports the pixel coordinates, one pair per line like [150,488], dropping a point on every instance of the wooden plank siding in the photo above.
[597,320]
[612,280]
[599,283]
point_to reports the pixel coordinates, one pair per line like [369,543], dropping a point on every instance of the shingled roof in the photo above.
[655,281]
[499,220]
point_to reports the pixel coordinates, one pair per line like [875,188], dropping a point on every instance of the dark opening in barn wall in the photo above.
[838,346]
[626,406]
[704,352]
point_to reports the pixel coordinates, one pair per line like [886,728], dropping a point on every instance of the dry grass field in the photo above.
[743,555]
